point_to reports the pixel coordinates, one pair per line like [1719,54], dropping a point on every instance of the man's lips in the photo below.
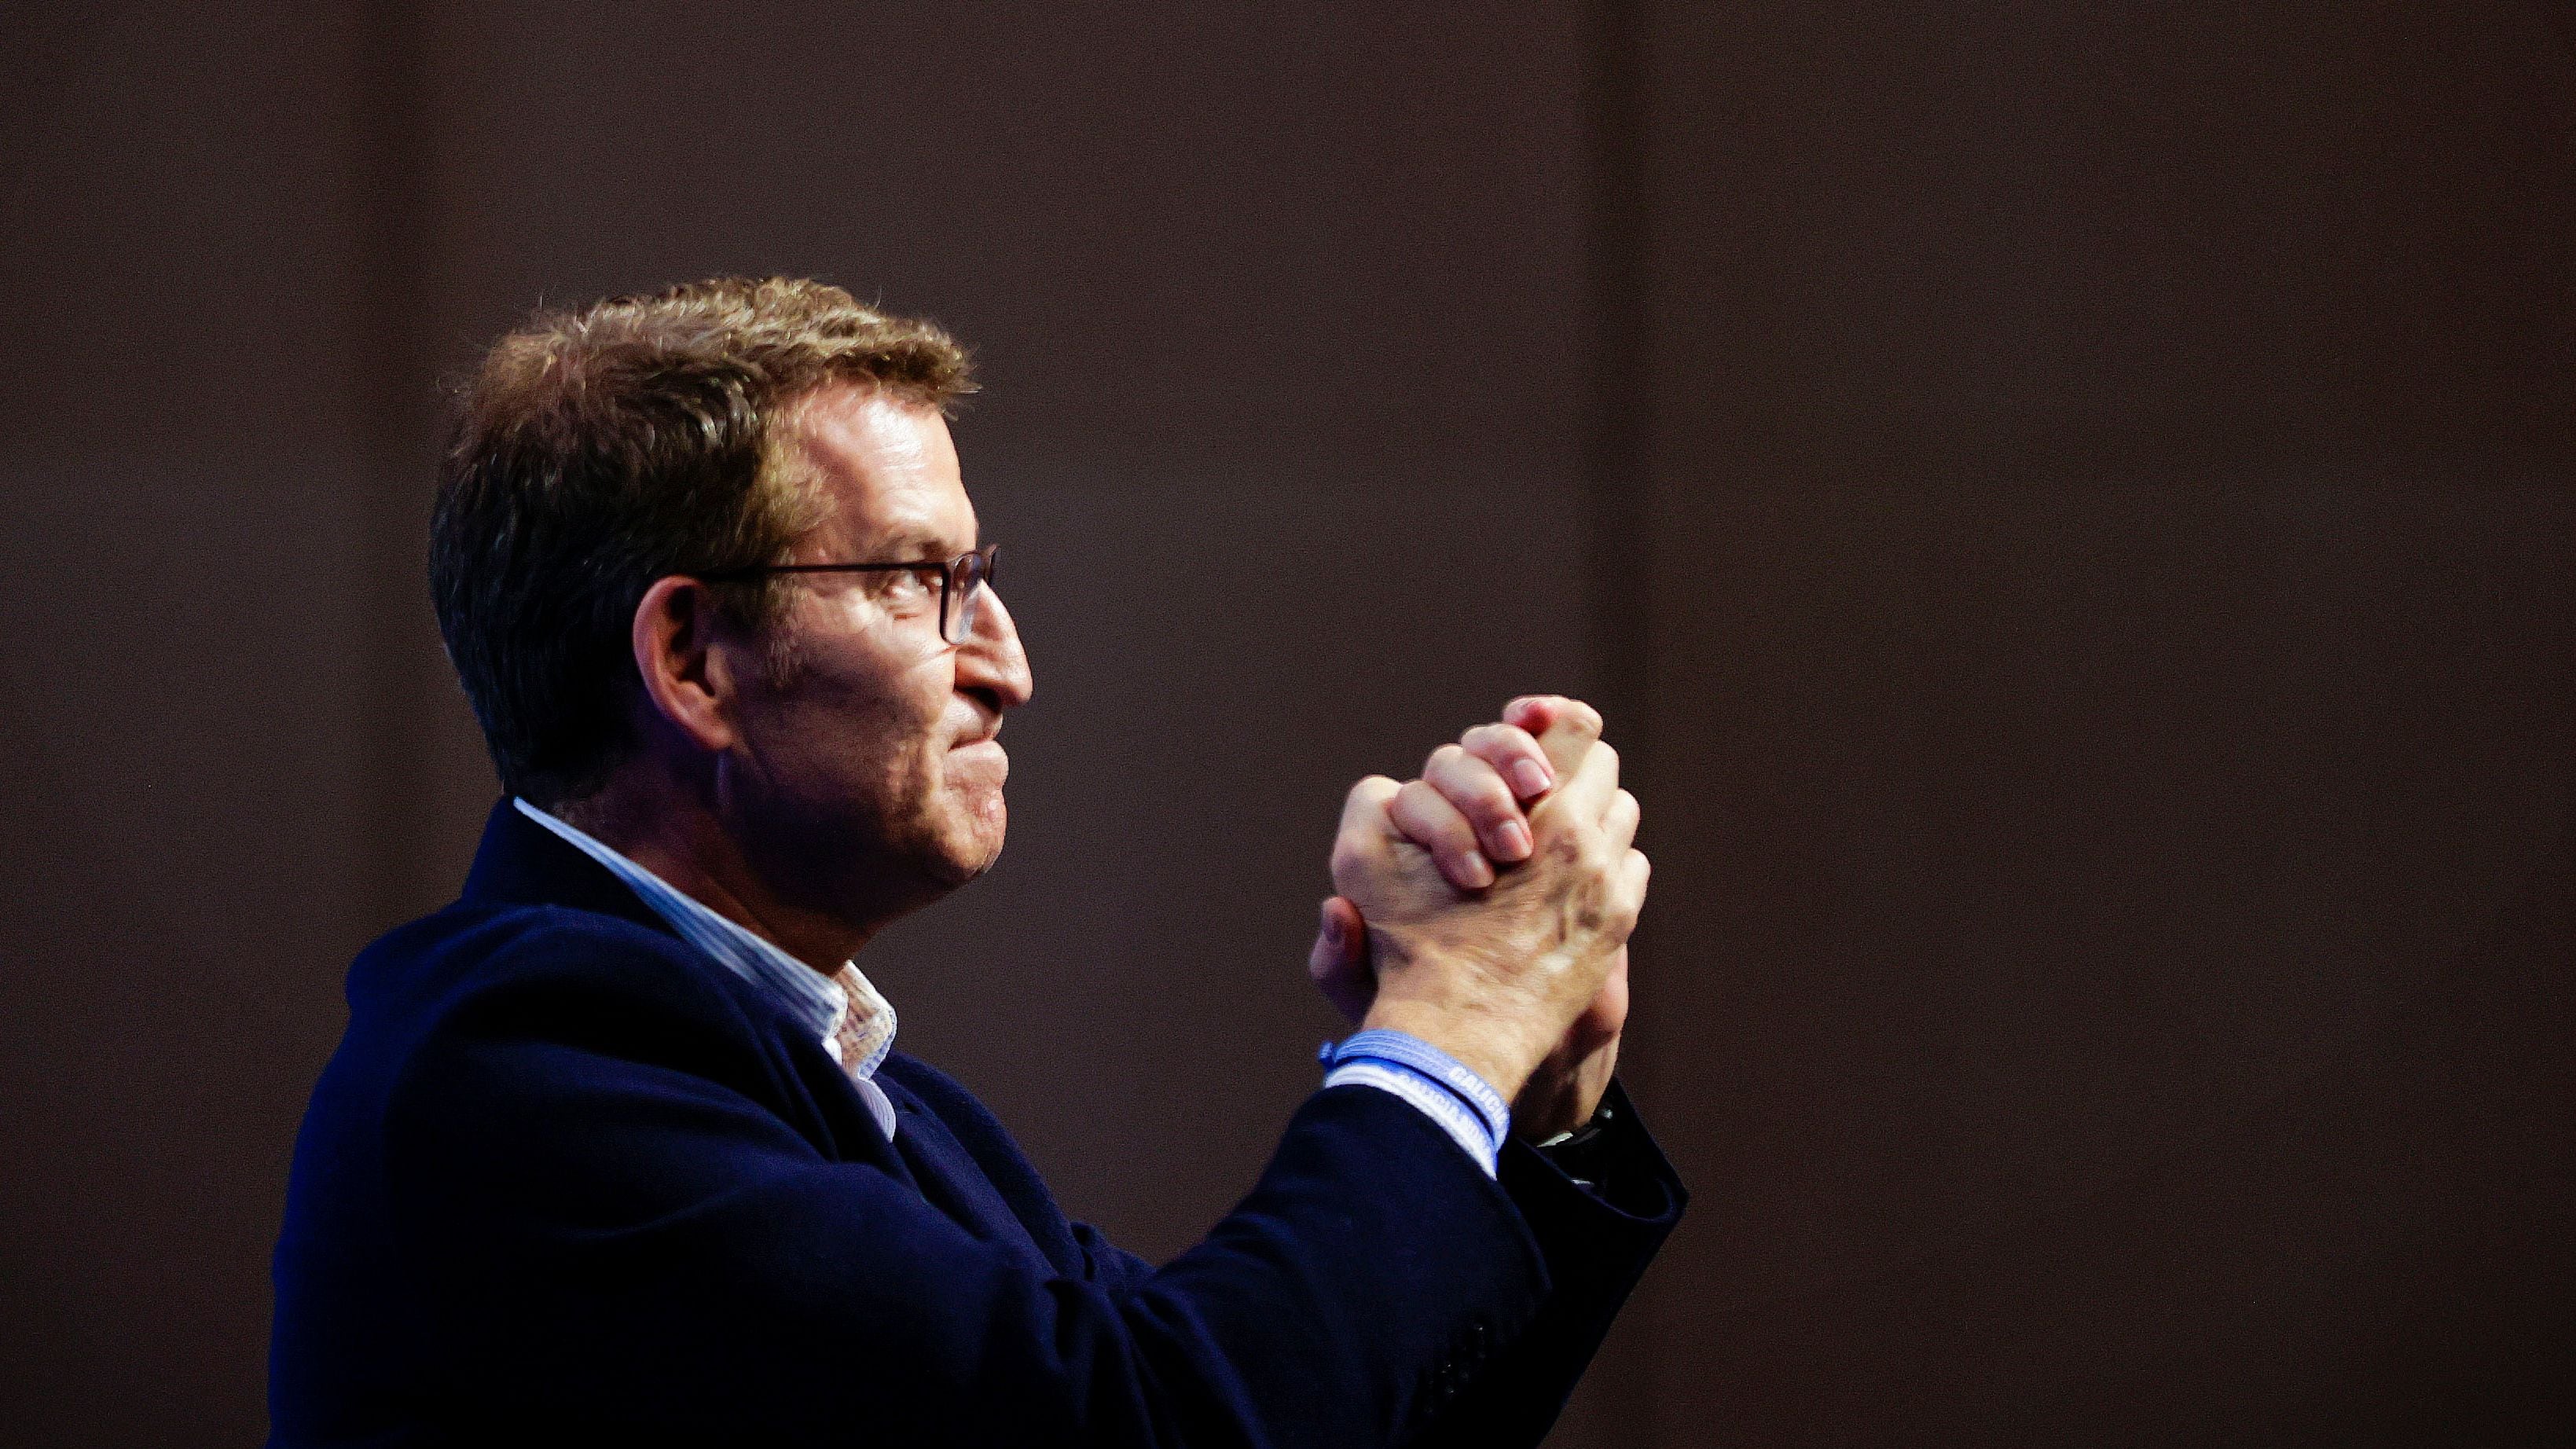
[979,764]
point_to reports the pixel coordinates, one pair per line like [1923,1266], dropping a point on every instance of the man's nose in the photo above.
[991,658]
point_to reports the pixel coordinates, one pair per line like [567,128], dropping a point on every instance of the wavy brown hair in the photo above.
[598,450]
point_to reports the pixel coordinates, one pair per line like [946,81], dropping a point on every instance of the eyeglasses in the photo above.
[961,582]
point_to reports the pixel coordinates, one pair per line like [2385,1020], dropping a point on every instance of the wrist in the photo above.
[1488,1048]
[1563,1092]
[1551,1108]
[1446,1089]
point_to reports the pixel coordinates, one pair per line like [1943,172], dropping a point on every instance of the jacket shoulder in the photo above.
[474,956]
[523,982]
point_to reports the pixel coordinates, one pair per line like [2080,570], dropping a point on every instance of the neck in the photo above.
[655,821]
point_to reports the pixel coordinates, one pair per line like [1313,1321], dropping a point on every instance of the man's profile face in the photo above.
[872,770]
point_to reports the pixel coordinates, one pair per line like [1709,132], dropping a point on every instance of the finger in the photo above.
[1619,822]
[1585,794]
[1341,940]
[1472,785]
[1364,809]
[1606,1015]
[1365,835]
[1532,711]
[1339,960]
[1515,755]
[1427,819]
[1565,727]
[1634,872]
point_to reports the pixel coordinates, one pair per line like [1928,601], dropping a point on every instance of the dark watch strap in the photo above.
[1574,1151]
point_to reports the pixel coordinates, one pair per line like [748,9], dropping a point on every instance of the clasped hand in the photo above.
[1486,906]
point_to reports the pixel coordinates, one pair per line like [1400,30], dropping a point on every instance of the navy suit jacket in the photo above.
[566,1179]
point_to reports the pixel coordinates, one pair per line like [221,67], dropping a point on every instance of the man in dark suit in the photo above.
[616,1147]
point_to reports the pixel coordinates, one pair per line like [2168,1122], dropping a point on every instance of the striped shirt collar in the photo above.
[846,1014]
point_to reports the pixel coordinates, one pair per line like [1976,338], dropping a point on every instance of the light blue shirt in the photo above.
[842,1011]
[855,1023]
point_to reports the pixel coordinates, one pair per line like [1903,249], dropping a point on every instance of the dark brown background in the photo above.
[2069,507]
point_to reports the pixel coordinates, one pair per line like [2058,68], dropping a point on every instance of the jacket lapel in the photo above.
[522,863]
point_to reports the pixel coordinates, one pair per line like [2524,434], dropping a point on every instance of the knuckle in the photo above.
[1587,850]
[1595,910]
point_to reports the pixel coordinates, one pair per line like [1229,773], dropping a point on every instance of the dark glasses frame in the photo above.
[959,578]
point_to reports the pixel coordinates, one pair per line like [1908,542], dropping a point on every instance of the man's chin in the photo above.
[970,845]
[978,860]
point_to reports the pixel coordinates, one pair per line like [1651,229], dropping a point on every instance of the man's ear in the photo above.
[688,680]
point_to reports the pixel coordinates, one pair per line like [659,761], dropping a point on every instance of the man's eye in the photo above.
[908,586]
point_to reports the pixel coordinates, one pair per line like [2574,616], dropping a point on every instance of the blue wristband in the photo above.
[1413,1054]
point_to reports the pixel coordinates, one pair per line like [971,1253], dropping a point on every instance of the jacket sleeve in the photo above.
[617,1239]
[1110,1264]
[1597,1236]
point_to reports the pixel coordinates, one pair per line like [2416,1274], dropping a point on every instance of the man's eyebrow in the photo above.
[910,544]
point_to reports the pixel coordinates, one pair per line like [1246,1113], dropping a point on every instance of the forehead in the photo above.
[886,470]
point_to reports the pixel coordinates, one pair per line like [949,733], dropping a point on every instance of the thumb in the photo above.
[1339,960]
[1565,728]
